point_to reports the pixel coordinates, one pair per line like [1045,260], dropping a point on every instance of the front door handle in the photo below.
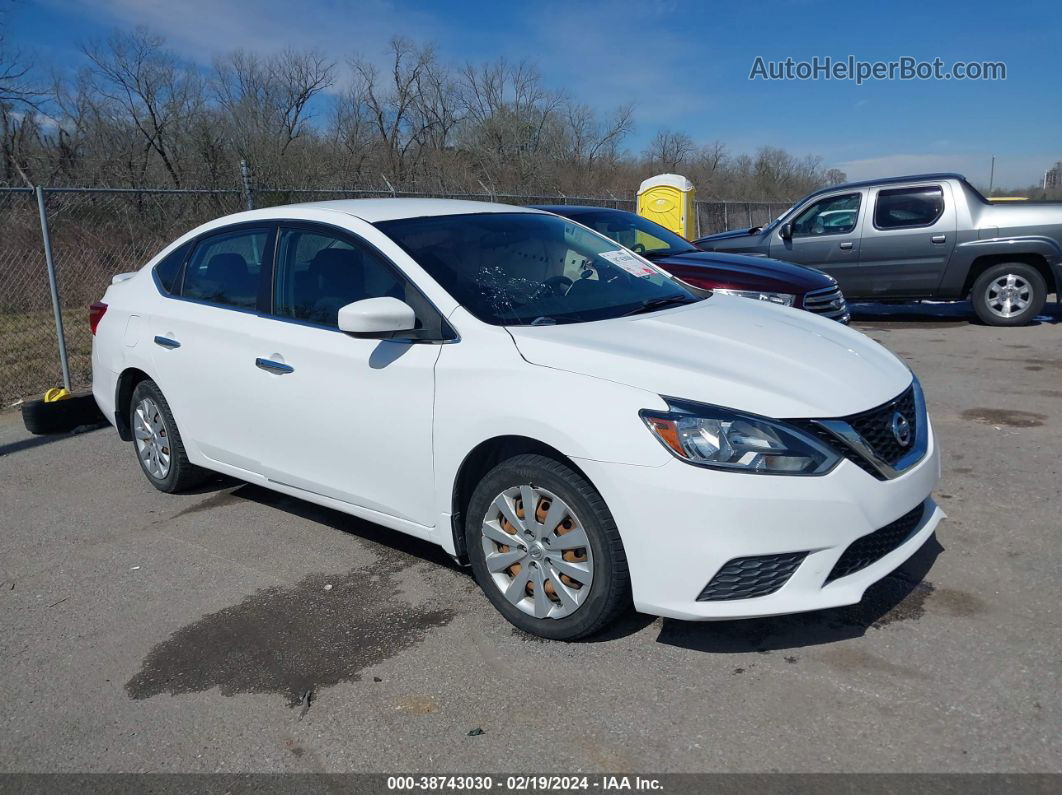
[166,342]
[939,238]
[847,245]
[273,367]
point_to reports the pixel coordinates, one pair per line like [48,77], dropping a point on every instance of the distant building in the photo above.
[1053,177]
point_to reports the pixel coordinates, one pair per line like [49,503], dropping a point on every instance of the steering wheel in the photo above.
[638,248]
[557,285]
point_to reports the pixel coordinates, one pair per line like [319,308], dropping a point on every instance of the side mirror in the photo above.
[786,231]
[377,318]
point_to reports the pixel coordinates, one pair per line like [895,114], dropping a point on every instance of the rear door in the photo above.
[908,236]
[825,236]
[202,341]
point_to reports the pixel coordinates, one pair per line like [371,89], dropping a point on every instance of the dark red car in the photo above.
[758,278]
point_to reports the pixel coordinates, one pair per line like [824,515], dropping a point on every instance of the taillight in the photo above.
[96,312]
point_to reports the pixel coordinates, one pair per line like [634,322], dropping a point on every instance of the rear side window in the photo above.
[908,207]
[224,269]
[169,268]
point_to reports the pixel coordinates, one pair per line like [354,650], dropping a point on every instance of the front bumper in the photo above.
[681,524]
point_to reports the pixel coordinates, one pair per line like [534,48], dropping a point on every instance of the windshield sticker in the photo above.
[628,262]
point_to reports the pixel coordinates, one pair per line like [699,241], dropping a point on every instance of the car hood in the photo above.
[746,355]
[756,272]
[730,235]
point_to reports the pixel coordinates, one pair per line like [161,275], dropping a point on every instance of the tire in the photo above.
[168,468]
[1027,294]
[541,560]
[61,416]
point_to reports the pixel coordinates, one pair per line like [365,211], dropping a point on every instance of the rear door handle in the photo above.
[939,238]
[847,245]
[166,342]
[273,367]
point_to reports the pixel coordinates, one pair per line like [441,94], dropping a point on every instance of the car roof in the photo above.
[866,183]
[567,209]
[375,210]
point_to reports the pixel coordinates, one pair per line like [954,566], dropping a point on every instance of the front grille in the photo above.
[828,302]
[744,578]
[873,547]
[832,442]
[875,426]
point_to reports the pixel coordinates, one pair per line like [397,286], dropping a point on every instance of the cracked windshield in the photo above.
[518,269]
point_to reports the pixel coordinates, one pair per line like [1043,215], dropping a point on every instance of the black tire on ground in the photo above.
[1037,293]
[182,474]
[61,416]
[610,589]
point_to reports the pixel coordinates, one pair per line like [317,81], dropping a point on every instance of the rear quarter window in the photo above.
[168,270]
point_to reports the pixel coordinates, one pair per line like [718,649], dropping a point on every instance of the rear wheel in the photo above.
[157,442]
[545,550]
[1009,294]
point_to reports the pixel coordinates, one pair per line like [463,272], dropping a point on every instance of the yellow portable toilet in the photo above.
[668,199]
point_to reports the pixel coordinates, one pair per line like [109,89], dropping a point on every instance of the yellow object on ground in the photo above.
[53,395]
[668,199]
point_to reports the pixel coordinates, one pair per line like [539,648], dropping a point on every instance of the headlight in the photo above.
[720,438]
[785,299]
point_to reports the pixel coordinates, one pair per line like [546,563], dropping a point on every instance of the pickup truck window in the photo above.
[903,208]
[834,215]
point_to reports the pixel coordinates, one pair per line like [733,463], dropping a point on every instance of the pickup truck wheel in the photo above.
[1009,294]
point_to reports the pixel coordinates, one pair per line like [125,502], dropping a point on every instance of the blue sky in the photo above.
[684,64]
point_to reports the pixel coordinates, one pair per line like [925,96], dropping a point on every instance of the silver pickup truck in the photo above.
[925,236]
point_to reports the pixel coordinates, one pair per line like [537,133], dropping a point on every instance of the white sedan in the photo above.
[581,428]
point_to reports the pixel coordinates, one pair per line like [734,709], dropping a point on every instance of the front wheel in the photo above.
[1009,294]
[545,549]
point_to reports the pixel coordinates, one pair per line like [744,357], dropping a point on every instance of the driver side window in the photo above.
[317,273]
[834,215]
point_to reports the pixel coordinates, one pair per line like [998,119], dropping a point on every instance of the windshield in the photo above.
[519,269]
[636,233]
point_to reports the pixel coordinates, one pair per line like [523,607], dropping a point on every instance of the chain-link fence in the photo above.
[96,233]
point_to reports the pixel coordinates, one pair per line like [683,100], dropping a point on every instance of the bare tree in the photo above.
[139,115]
[394,105]
[669,149]
[265,101]
[141,82]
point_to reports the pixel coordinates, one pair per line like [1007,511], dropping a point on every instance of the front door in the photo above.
[346,418]
[825,235]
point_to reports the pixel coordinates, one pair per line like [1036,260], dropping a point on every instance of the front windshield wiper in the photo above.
[659,303]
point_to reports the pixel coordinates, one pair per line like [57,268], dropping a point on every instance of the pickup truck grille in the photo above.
[828,302]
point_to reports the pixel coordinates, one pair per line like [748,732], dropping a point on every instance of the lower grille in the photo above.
[828,302]
[873,547]
[744,578]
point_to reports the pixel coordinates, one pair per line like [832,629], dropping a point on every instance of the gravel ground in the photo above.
[147,632]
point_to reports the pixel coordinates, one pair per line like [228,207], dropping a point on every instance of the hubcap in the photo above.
[1008,295]
[152,438]
[537,552]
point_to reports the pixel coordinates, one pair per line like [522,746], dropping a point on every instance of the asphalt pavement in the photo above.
[235,629]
